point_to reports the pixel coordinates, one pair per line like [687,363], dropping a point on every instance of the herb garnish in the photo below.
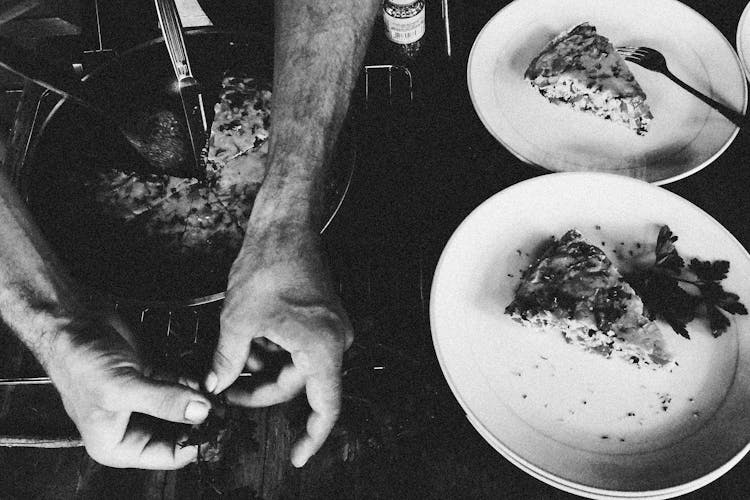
[678,294]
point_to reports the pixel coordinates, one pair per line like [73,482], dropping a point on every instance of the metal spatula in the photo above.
[188,87]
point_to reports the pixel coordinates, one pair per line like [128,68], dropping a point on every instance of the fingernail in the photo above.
[298,459]
[196,411]
[211,382]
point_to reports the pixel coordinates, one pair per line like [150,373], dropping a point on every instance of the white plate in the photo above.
[743,39]
[685,135]
[581,422]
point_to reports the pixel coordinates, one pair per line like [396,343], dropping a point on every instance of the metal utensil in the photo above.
[187,86]
[446,28]
[55,76]
[654,60]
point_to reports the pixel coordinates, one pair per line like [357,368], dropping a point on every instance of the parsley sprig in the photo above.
[677,293]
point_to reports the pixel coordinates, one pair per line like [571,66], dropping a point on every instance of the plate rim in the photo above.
[600,494]
[742,24]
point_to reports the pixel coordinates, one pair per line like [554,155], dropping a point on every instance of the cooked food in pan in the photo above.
[154,235]
[191,216]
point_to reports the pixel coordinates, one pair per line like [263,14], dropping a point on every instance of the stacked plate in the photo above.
[590,425]
[596,427]
[743,39]
[685,134]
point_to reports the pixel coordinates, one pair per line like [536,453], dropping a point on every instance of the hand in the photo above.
[280,290]
[108,397]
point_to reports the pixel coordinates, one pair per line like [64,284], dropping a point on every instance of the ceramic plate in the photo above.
[599,427]
[743,39]
[685,134]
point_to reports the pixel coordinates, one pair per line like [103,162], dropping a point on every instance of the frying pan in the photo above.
[102,253]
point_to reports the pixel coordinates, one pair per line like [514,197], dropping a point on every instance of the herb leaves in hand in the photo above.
[678,294]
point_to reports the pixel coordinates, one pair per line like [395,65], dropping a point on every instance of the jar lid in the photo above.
[401,2]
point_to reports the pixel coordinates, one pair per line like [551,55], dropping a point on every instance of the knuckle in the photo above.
[331,337]
[107,398]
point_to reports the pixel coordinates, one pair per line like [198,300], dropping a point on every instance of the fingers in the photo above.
[254,363]
[159,453]
[148,445]
[232,352]
[348,337]
[145,452]
[288,384]
[189,382]
[167,401]
[324,397]
[136,441]
[318,428]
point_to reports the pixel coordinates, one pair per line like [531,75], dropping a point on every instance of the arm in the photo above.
[279,286]
[86,353]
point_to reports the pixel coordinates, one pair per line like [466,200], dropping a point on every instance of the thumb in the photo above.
[164,400]
[232,352]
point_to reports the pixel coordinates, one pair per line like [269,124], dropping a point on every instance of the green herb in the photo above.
[666,252]
[209,433]
[678,294]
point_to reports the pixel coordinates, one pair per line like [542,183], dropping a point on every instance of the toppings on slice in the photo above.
[576,290]
[582,69]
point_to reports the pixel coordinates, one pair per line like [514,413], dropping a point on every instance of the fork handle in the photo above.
[737,118]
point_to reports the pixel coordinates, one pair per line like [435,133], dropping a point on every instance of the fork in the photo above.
[653,60]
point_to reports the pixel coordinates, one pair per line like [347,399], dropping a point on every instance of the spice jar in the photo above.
[405,25]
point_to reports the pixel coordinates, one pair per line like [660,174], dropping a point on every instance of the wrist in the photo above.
[280,237]
[51,337]
[292,194]
[74,339]
[40,321]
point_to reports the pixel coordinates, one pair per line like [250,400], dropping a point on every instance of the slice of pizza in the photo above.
[237,148]
[125,196]
[582,69]
[209,227]
[242,118]
[573,288]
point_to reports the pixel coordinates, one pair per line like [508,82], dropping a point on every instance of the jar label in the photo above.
[404,30]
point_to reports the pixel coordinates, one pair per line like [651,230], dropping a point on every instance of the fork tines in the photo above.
[632,52]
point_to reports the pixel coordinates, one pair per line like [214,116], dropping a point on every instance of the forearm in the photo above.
[37,298]
[318,53]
